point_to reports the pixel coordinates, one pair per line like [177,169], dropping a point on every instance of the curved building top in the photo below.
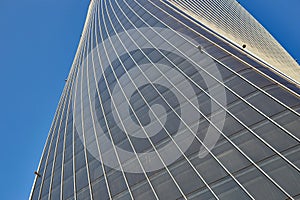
[231,21]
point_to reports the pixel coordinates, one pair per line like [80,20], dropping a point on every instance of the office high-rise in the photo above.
[174,99]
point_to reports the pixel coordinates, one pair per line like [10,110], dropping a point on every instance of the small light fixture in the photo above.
[200,49]
[36,173]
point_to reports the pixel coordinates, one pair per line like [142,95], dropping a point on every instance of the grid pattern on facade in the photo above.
[148,62]
[230,20]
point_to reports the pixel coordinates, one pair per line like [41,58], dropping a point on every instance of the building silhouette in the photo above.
[174,99]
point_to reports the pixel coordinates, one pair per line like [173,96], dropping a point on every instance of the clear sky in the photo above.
[38,40]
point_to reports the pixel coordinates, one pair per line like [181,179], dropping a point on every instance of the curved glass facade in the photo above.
[230,20]
[158,107]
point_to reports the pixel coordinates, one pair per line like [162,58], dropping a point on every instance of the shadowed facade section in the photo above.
[161,103]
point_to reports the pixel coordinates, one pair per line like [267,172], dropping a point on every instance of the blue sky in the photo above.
[38,40]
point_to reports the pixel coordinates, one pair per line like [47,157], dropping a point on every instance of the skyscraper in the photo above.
[174,99]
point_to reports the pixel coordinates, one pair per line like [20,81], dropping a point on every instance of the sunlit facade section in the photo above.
[228,19]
